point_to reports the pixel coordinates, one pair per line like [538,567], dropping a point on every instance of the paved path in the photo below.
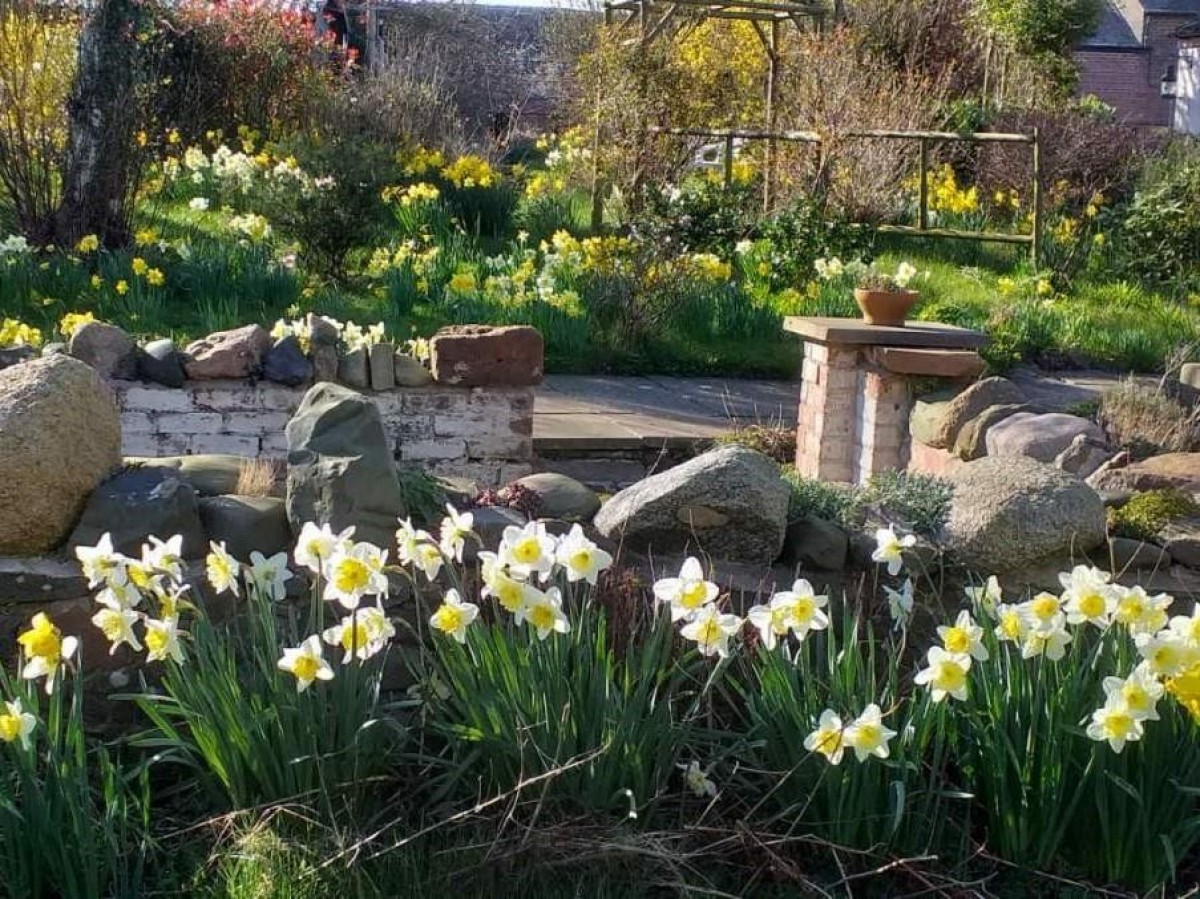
[615,413]
[609,413]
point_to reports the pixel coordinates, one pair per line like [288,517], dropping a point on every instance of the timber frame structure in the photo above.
[647,20]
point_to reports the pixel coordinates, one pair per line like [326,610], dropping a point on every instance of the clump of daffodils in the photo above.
[1048,623]
[865,735]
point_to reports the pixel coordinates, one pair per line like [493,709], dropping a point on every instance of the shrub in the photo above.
[1160,230]
[1146,421]
[1148,513]
[819,499]
[701,217]
[917,501]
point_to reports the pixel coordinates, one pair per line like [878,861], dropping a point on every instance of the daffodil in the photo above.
[306,663]
[988,596]
[543,610]
[580,558]
[1165,654]
[123,595]
[697,780]
[1011,626]
[964,636]
[805,607]
[222,569]
[162,640]
[454,616]
[1087,596]
[497,582]
[1049,639]
[270,576]
[528,551]
[1115,723]
[946,674]
[430,559]
[353,572]
[17,724]
[353,635]
[688,593]
[889,548]
[101,563]
[164,556]
[455,529]
[1140,612]
[45,649]
[1043,612]
[316,545]
[117,627]
[829,739]
[711,630]
[171,601]
[867,735]
[900,604]
[1140,692]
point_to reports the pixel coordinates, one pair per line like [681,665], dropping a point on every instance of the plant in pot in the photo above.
[884,295]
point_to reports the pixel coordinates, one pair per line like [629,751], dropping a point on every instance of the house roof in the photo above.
[1116,28]
[1172,7]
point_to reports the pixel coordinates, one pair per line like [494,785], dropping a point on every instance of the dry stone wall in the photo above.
[482,433]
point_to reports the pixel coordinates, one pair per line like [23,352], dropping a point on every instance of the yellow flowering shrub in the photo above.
[470,171]
[15,333]
[73,321]
[421,161]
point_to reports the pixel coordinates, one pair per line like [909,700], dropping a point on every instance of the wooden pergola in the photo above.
[646,21]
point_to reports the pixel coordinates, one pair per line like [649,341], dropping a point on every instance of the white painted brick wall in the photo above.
[481,433]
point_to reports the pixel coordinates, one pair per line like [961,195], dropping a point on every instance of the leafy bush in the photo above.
[703,216]
[1148,513]
[917,501]
[1160,230]
[819,499]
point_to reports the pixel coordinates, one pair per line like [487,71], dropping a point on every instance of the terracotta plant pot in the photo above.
[885,307]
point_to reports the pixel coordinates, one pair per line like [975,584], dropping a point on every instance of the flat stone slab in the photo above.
[853,332]
[930,363]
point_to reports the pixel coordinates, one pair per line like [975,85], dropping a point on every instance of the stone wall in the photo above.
[482,433]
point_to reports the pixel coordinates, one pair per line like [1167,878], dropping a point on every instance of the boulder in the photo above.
[322,331]
[975,399]
[1181,470]
[729,503]
[1040,437]
[212,474]
[1189,375]
[477,355]
[562,497]
[138,503]
[106,348]
[161,363]
[1013,511]
[926,416]
[1182,540]
[1134,555]
[409,372]
[383,367]
[813,542]
[971,441]
[341,470]
[285,363]
[227,354]
[60,436]
[15,355]
[1083,456]
[247,523]
[354,370]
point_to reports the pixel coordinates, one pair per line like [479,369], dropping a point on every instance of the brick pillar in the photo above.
[881,426]
[825,425]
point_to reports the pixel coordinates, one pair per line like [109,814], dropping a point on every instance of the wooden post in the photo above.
[772,97]
[923,187]
[727,160]
[1035,246]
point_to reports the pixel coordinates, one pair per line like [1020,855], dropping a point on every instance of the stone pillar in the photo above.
[825,423]
[881,436]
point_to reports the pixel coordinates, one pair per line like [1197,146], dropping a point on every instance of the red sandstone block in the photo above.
[477,355]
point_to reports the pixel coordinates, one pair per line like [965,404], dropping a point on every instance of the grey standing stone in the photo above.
[353,370]
[816,543]
[729,502]
[160,362]
[409,372]
[970,442]
[1135,555]
[383,366]
[247,523]
[976,398]
[106,348]
[322,332]
[340,466]
[138,503]
[325,363]
[285,363]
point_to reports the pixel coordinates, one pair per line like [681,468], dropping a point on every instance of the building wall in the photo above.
[1122,79]
[482,433]
[1187,90]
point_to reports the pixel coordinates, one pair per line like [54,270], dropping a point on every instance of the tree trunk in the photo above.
[100,171]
